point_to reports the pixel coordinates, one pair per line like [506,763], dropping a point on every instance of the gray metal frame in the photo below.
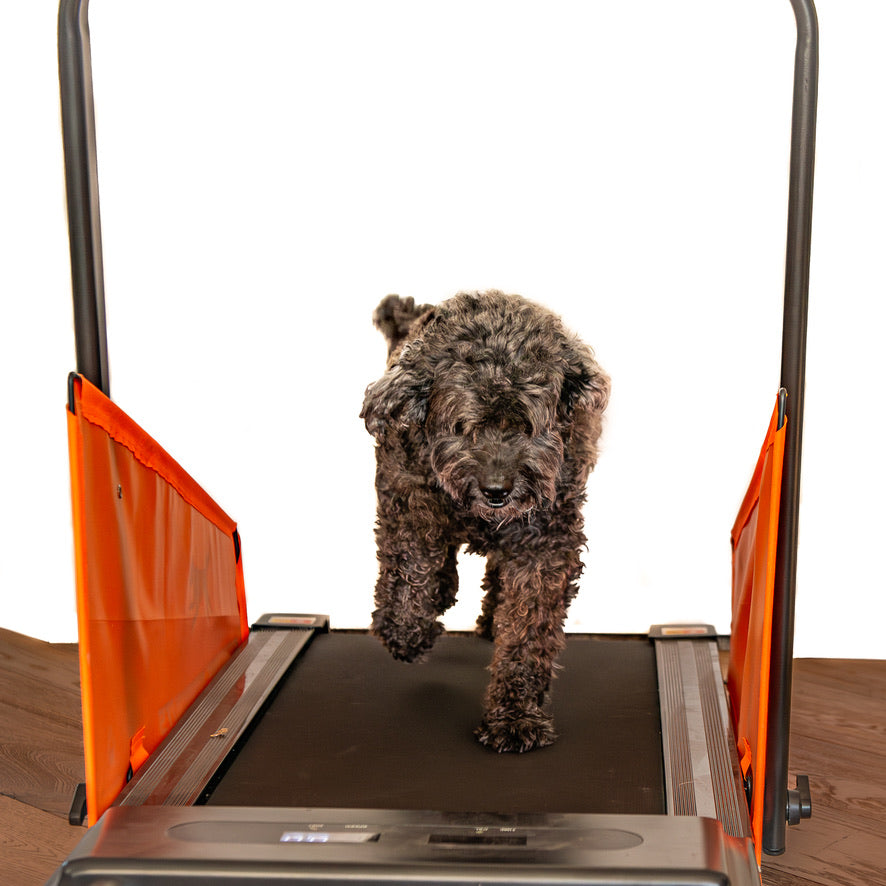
[145,846]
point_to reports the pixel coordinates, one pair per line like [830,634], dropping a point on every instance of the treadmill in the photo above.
[222,752]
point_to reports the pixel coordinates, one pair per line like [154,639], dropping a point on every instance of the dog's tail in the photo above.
[394,318]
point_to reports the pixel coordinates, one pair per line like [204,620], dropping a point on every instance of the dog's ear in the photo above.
[399,398]
[585,385]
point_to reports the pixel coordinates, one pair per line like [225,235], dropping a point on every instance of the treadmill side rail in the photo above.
[702,774]
[189,759]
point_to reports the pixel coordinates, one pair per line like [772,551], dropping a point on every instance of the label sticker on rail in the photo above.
[301,621]
[685,631]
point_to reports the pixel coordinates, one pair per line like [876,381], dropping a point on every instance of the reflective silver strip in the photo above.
[700,772]
[209,729]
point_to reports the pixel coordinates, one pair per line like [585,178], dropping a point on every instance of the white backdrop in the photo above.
[269,172]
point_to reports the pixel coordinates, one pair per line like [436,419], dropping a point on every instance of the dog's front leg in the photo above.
[528,638]
[417,582]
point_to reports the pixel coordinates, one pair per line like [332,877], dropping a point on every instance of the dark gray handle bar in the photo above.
[81,182]
[793,375]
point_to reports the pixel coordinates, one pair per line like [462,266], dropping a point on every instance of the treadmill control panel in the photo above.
[150,845]
[477,838]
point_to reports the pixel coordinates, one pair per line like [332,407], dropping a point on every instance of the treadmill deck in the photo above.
[352,727]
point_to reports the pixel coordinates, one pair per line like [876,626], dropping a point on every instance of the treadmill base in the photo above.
[150,846]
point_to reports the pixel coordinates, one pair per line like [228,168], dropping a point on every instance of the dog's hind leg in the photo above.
[492,588]
[448,576]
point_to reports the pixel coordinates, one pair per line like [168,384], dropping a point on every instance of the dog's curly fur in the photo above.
[487,422]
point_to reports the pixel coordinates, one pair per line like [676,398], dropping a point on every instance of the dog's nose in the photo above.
[496,496]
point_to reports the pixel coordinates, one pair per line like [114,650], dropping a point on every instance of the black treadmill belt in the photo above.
[350,727]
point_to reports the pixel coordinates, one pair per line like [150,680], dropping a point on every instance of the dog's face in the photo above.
[493,394]
[496,448]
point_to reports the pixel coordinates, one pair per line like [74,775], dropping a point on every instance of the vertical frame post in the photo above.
[81,181]
[793,370]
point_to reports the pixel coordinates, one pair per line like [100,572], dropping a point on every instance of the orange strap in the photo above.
[160,595]
[754,538]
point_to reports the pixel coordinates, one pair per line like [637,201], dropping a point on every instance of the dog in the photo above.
[487,421]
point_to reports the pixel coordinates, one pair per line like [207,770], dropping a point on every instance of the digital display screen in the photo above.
[328,837]
[478,839]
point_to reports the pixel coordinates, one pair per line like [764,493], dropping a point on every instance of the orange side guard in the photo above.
[160,595]
[754,538]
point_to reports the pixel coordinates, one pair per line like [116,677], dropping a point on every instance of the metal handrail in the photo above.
[793,375]
[81,182]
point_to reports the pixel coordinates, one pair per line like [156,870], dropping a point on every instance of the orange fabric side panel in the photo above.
[754,539]
[160,592]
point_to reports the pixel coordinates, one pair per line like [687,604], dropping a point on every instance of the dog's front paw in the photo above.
[406,642]
[516,732]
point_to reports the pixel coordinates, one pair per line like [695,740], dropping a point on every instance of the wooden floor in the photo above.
[838,739]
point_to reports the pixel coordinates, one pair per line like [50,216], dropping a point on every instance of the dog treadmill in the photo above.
[217,752]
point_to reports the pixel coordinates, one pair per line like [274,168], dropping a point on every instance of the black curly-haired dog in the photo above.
[487,421]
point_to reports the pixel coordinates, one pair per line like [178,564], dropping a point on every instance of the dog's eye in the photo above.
[458,428]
